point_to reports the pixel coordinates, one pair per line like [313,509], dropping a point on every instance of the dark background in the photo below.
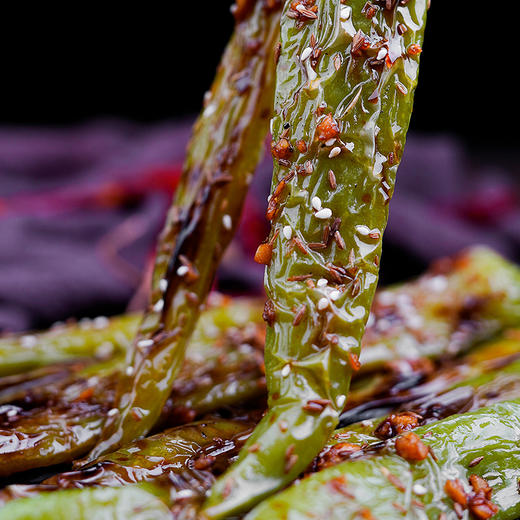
[154,62]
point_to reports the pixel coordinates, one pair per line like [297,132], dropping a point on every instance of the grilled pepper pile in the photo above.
[344,91]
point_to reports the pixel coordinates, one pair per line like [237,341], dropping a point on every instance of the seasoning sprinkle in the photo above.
[323,213]
[305,53]
[183,270]
[316,203]
[334,152]
[287,232]
[322,282]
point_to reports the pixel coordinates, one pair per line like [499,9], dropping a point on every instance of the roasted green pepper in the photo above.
[465,463]
[224,150]
[343,100]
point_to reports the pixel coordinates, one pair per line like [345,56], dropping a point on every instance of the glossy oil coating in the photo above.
[138,502]
[224,150]
[344,93]
[385,485]
[58,423]
[194,453]
[99,338]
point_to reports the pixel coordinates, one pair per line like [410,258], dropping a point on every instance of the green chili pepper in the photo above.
[345,84]
[99,338]
[223,153]
[386,485]
[194,452]
[223,368]
[139,502]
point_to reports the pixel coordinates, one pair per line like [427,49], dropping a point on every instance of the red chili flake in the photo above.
[411,447]
[482,508]
[328,128]
[375,235]
[254,448]
[391,158]
[282,149]
[299,315]
[401,29]
[455,490]
[366,514]
[301,145]
[475,461]
[264,254]
[414,49]
[353,361]
[269,313]
[85,394]
[228,487]
[283,426]
[480,485]
[369,10]
[393,479]
[336,454]
[401,88]
[204,462]
[396,424]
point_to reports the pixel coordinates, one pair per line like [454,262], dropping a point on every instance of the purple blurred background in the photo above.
[80,210]
[96,115]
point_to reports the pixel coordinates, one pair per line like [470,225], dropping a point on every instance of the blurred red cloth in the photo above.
[80,209]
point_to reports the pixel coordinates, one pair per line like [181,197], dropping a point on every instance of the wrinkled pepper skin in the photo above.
[385,485]
[195,452]
[225,147]
[99,338]
[139,502]
[343,102]
[58,424]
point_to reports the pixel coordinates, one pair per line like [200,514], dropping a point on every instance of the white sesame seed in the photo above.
[159,305]
[163,284]
[330,142]
[184,493]
[305,53]
[28,341]
[334,152]
[322,282]
[323,303]
[182,270]
[366,423]
[227,222]
[286,370]
[334,295]
[349,146]
[382,53]
[287,232]
[324,213]
[112,412]
[129,371]
[12,412]
[101,322]
[340,401]
[316,203]
[363,230]
[418,489]
[143,343]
